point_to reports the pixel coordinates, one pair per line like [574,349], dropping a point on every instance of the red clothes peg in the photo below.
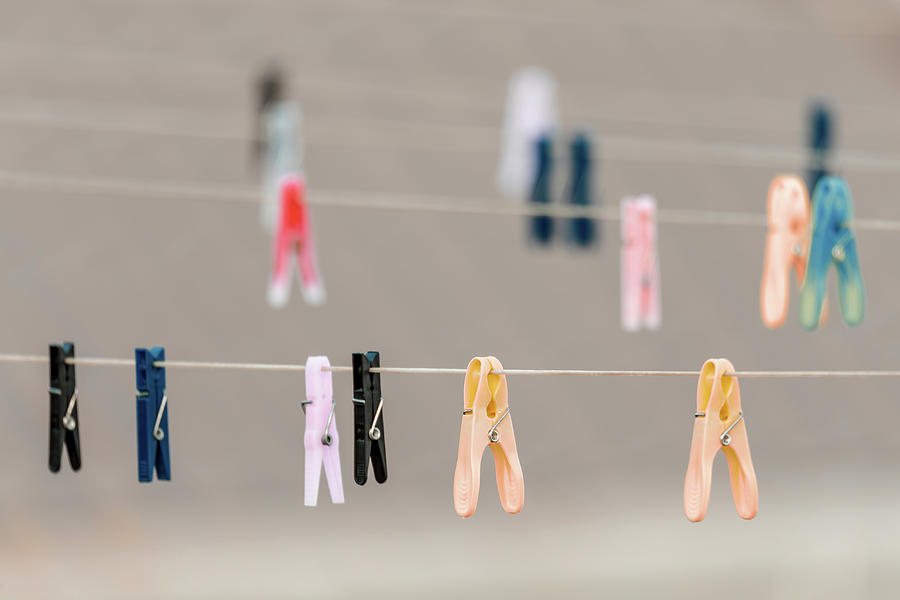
[294,243]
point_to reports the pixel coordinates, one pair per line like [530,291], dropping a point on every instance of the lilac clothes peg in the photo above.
[321,438]
[640,265]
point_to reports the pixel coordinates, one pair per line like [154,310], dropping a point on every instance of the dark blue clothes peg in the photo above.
[820,140]
[582,230]
[542,190]
[63,407]
[152,415]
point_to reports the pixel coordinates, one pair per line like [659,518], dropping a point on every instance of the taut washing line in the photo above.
[181,364]
[380,201]
[613,148]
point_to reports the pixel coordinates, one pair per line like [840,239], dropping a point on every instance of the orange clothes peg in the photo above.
[719,425]
[486,420]
[787,245]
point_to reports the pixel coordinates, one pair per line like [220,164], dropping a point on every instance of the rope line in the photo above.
[612,148]
[186,364]
[400,202]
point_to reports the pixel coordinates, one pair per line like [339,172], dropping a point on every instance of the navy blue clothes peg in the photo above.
[63,408]
[582,230]
[819,142]
[152,415]
[542,190]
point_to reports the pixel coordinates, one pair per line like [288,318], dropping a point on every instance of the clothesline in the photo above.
[612,147]
[388,201]
[183,364]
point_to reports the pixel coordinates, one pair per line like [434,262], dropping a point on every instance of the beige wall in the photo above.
[406,97]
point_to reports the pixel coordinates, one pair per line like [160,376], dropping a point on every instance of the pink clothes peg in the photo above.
[294,243]
[321,437]
[486,421]
[640,265]
[719,425]
[787,246]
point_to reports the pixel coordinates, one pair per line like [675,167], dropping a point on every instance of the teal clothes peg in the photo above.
[833,242]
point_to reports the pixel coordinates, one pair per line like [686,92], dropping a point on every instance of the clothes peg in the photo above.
[787,246]
[283,156]
[531,112]
[819,141]
[833,242]
[269,90]
[152,415]
[542,190]
[719,425]
[640,286]
[486,421]
[582,230]
[64,422]
[368,419]
[321,437]
[294,245]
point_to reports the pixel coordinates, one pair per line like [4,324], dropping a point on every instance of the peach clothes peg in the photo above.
[486,421]
[640,304]
[719,425]
[787,246]
[294,243]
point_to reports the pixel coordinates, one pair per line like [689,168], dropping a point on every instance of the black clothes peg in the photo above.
[368,419]
[819,142]
[542,190]
[64,422]
[582,230]
[269,89]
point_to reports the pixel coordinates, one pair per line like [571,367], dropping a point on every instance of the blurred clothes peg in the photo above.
[152,415]
[283,157]
[787,246]
[486,421]
[64,422]
[368,419]
[640,283]
[719,425]
[294,248]
[321,437]
[531,113]
[582,230]
[820,136]
[269,90]
[541,226]
[833,242]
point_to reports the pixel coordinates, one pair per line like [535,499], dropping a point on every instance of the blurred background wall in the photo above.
[406,98]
